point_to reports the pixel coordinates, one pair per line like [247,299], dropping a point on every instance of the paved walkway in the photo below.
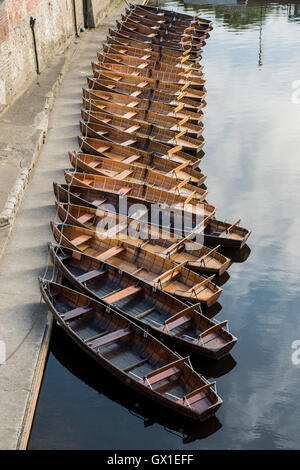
[22,317]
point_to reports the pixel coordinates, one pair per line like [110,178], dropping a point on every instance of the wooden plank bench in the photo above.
[75,313]
[132,129]
[180,318]
[85,218]
[129,115]
[123,191]
[142,84]
[103,148]
[131,159]
[94,164]
[87,181]
[214,328]
[196,395]
[132,104]
[81,239]
[122,294]
[89,275]
[115,250]
[129,142]
[163,372]
[109,338]
[136,93]
[124,174]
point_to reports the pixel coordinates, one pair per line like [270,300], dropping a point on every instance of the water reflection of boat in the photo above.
[212,311]
[237,256]
[150,413]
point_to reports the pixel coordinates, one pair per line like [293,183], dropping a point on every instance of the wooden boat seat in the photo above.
[135,93]
[170,274]
[76,312]
[104,97]
[143,66]
[129,115]
[81,239]
[98,202]
[145,313]
[102,133]
[89,275]
[85,218]
[136,73]
[142,84]
[122,294]
[131,159]
[111,86]
[104,148]
[129,142]
[109,338]
[132,129]
[196,395]
[178,322]
[145,57]
[203,283]
[169,249]
[87,181]
[213,328]
[94,164]
[123,191]
[124,174]
[106,120]
[163,372]
[115,250]
[132,104]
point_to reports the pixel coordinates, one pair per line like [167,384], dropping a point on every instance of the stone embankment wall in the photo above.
[55,27]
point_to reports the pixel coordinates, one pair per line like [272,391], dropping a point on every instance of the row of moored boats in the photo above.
[136,277]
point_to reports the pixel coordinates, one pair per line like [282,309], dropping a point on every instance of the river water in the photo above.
[252,134]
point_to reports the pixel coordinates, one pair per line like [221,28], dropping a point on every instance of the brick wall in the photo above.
[54,29]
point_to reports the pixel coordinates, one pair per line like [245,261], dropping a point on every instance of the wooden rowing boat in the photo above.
[226,234]
[179,47]
[157,271]
[127,85]
[145,130]
[131,139]
[146,93]
[137,359]
[120,39]
[163,243]
[167,27]
[143,64]
[144,83]
[170,15]
[100,98]
[127,173]
[183,63]
[145,210]
[236,237]
[162,36]
[150,74]
[140,158]
[135,299]
[173,122]
[156,13]
[190,205]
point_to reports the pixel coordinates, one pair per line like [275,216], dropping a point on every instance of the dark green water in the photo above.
[252,135]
